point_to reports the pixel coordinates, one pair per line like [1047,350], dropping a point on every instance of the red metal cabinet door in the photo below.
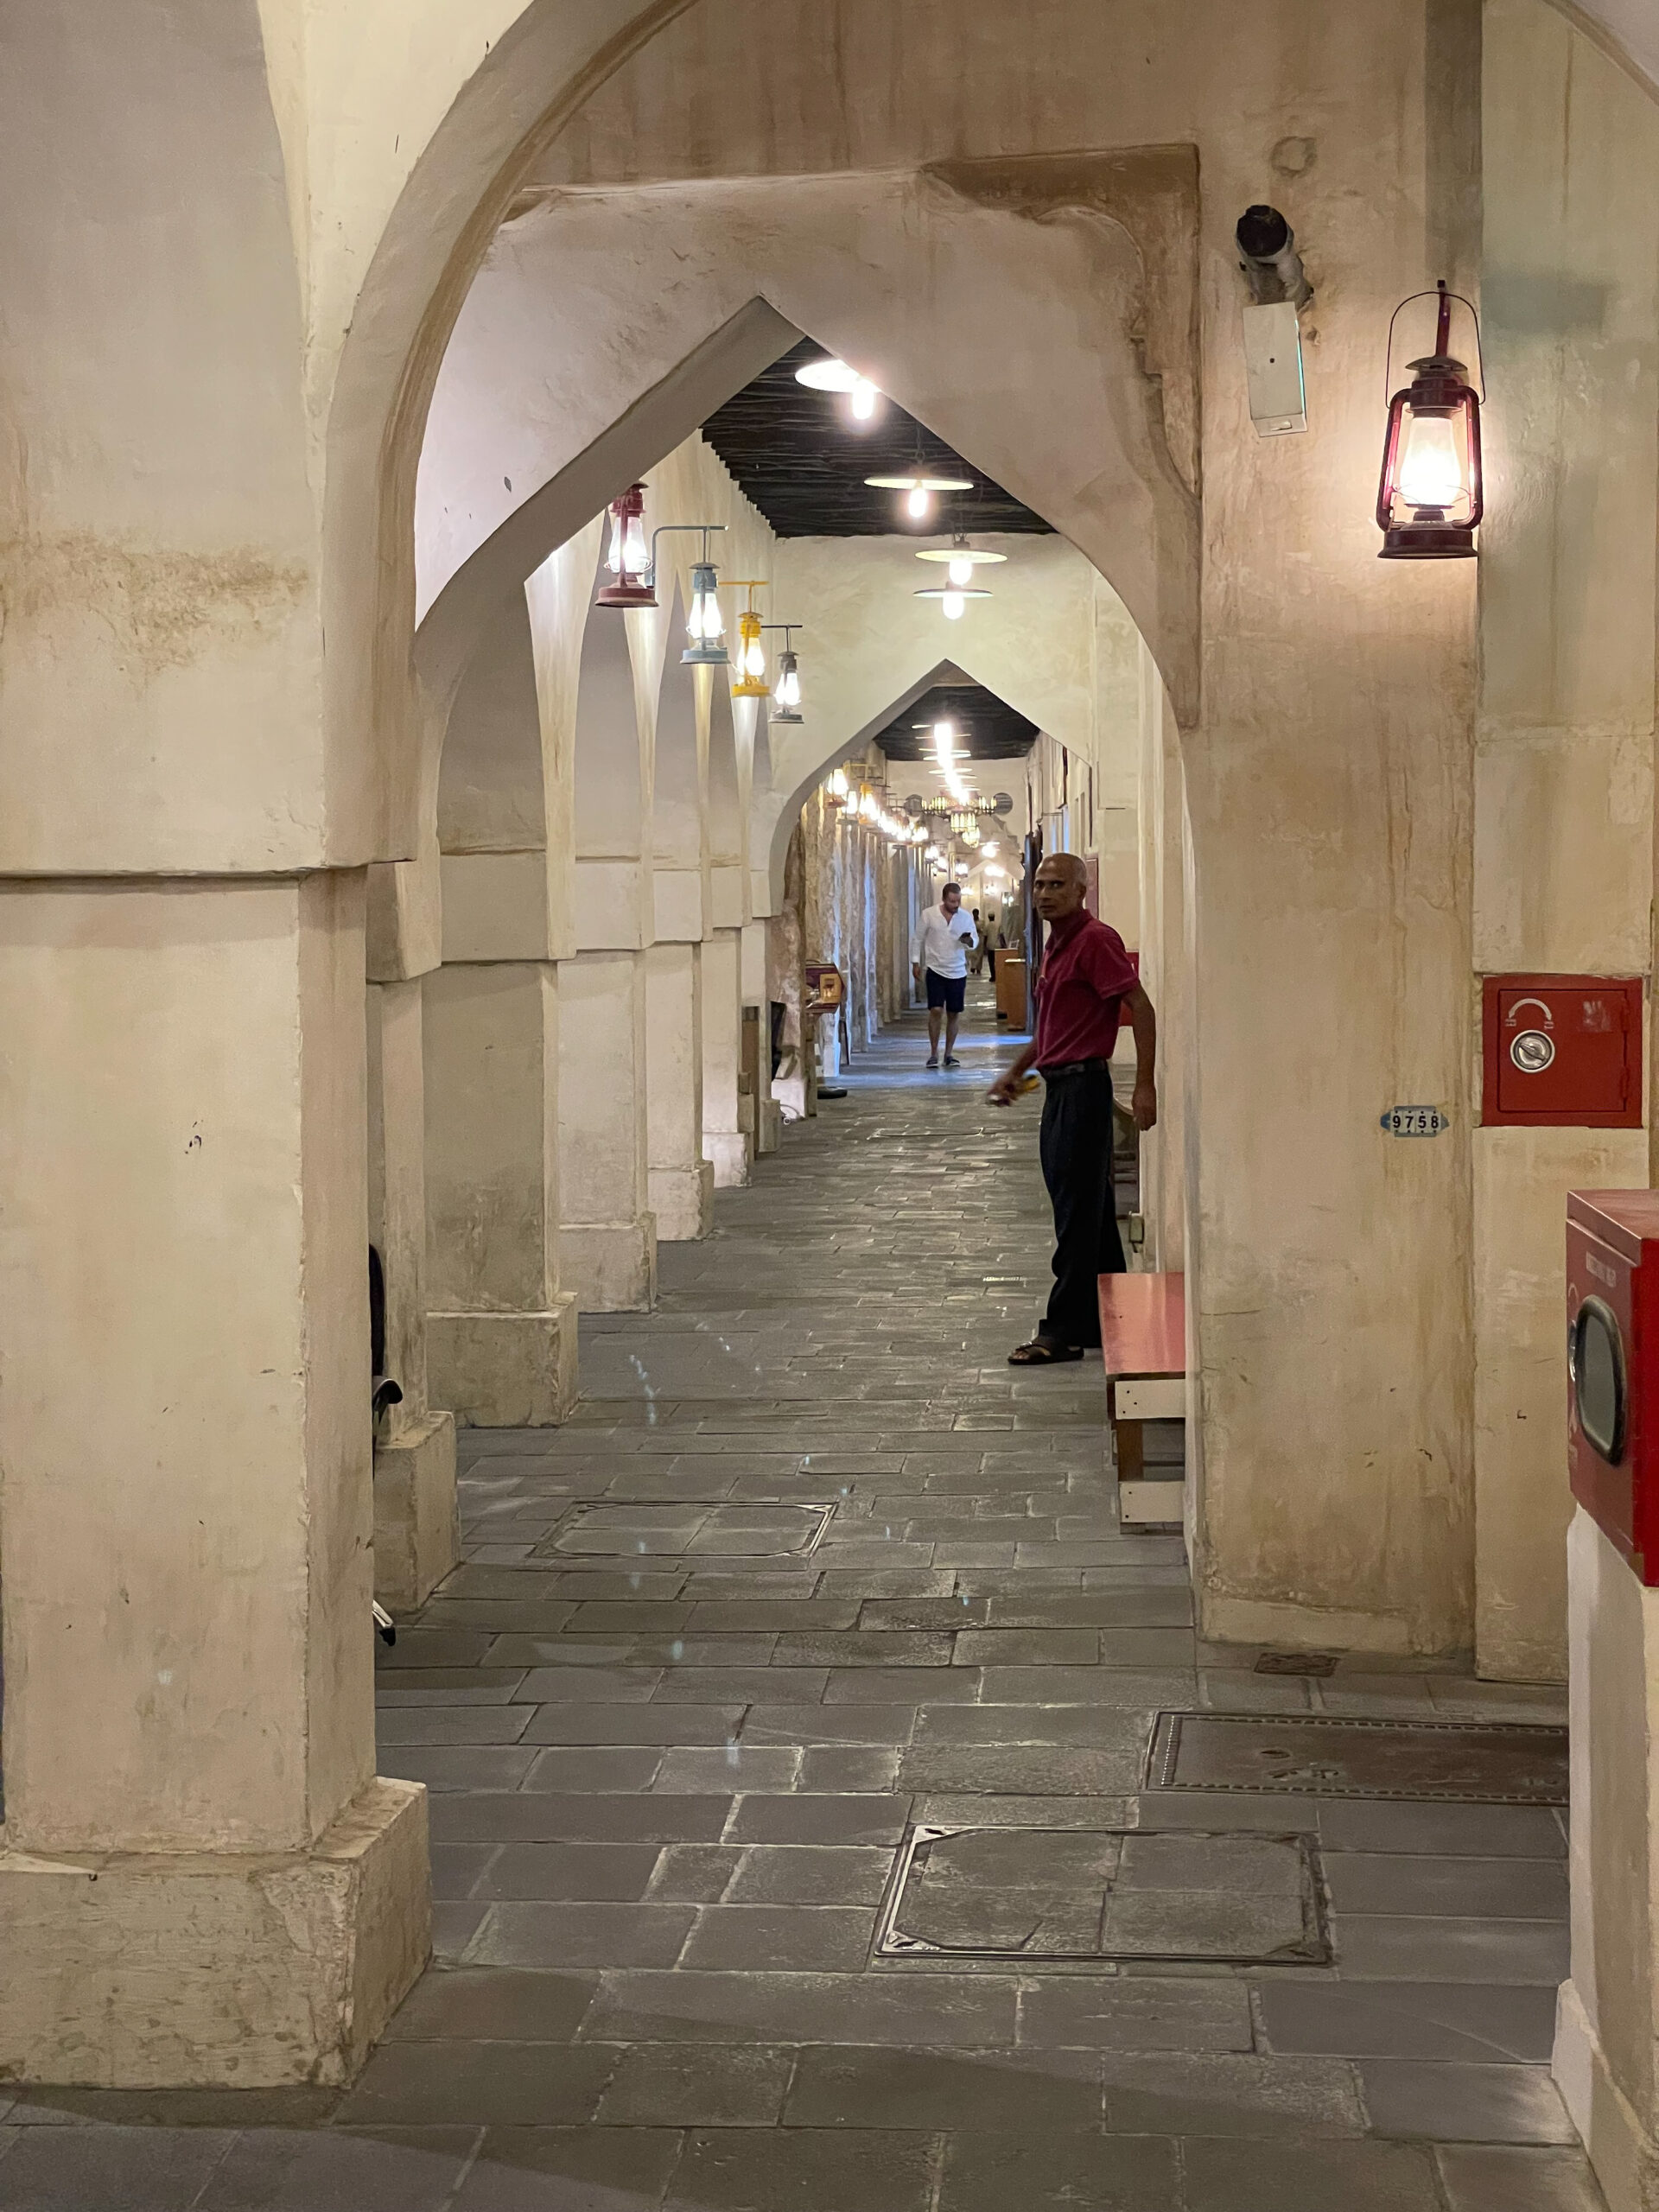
[1563,1050]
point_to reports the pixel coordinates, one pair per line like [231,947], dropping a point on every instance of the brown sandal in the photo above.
[1041,1351]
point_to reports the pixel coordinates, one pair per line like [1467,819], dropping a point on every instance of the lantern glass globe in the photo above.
[953,605]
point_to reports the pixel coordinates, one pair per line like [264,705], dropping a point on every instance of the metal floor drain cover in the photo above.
[687,1529]
[1066,1894]
[1469,1762]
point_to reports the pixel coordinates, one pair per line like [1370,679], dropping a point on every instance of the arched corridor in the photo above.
[808,1566]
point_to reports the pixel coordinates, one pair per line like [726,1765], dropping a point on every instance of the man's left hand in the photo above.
[1144,1106]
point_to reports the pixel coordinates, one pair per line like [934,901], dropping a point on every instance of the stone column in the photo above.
[202,1882]
[607,1239]
[682,1182]
[728,1145]
[501,1335]
[417,1525]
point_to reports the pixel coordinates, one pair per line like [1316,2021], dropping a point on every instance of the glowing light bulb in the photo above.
[788,693]
[862,399]
[1431,474]
[954,606]
[917,500]
[754,657]
[960,569]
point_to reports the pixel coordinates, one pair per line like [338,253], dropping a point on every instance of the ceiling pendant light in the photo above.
[953,598]
[918,489]
[750,658]
[1429,502]
[837,790]
[786,692]
[629,558]
[830,374]
[961,559]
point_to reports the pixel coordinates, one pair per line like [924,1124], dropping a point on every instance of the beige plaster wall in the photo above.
[1564,756]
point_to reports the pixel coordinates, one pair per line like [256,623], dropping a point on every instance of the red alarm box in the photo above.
[1562,1051]
[1612,1352]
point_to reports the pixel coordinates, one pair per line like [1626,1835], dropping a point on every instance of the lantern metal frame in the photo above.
[750,628]
[705,584]
[1439,388]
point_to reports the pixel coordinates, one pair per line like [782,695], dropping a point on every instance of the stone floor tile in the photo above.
[448,1686]
[735,1685]
[781,1874]
[1463,2104]
[853,1770]
[570,2170]
[739,1766]
[586,1935]
[475,2003]
[894,2009]
[900,1686]
[1223,2094]
[968,1810]
[1086,1727]
[694,1873]
[601,1768]
[656,1724]
[1401,1949]
[1057,2172]
[841,2087]
[811,1939]
[1134,2013]
[590,1686]
[696,2085]
[1408,2019]
[1441,1831]
[925,1613]
[339,2169]
[443,1769]
[1097,1686]
[73,2169]
[1487,2178]
[804,2170]
[619,1873]
[533,1817]
[457,1867]
[1020,1769]
[1418,1883]
[514,2084]
[1307,2175]
[848,1722]
[454,1924]
[876,1647]
[1028,1647]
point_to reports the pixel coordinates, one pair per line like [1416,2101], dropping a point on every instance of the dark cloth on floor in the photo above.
[1076,1156]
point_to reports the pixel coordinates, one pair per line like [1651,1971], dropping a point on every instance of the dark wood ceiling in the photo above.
[989,728]
[799,457]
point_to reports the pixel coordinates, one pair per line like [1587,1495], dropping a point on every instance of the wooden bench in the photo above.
[1143,1351]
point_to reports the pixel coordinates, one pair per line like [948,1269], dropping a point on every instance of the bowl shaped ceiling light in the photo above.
[961,559]
[952,598]
[830,374]
[918,490]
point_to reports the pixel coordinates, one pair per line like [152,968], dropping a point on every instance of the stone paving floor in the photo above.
[675,1735]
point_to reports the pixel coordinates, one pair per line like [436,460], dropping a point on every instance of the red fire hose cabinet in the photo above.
[1613,1355]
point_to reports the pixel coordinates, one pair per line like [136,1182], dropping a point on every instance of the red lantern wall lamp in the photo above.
[1429,503]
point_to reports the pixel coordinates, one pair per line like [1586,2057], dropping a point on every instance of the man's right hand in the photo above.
[1001,1092]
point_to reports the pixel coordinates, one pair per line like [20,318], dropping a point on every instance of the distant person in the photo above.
[977,957]
[939,952]
[1086,978]
[993,940]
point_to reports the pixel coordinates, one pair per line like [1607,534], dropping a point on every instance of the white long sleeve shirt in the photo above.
[944,941]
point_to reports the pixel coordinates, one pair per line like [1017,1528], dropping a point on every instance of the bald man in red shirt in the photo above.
[1086,976]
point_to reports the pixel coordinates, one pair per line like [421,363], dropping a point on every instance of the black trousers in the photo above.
[1076,1155]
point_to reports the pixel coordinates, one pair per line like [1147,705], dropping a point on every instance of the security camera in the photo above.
[1273,267]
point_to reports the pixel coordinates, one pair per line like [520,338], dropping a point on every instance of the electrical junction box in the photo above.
[1612,1357]
[1562,1052]
[1273,369]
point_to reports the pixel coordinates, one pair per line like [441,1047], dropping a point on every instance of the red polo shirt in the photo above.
[1085,976]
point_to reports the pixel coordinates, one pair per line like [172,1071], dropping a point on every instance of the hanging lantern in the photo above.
[750,659]
[836,790]
[705,625]
[786,692]
[629,558]
[1428,502]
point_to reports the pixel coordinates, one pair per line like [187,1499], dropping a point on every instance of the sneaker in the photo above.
[951,1061]
[934,1062]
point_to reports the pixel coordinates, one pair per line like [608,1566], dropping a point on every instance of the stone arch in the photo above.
[609,800]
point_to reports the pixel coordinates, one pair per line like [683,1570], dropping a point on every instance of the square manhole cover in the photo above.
[1056,1894]
[688,1529]
[1470,1762]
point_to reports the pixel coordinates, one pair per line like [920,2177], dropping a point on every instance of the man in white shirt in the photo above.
[938,954]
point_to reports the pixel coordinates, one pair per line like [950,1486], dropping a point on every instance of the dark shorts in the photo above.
[949,991]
